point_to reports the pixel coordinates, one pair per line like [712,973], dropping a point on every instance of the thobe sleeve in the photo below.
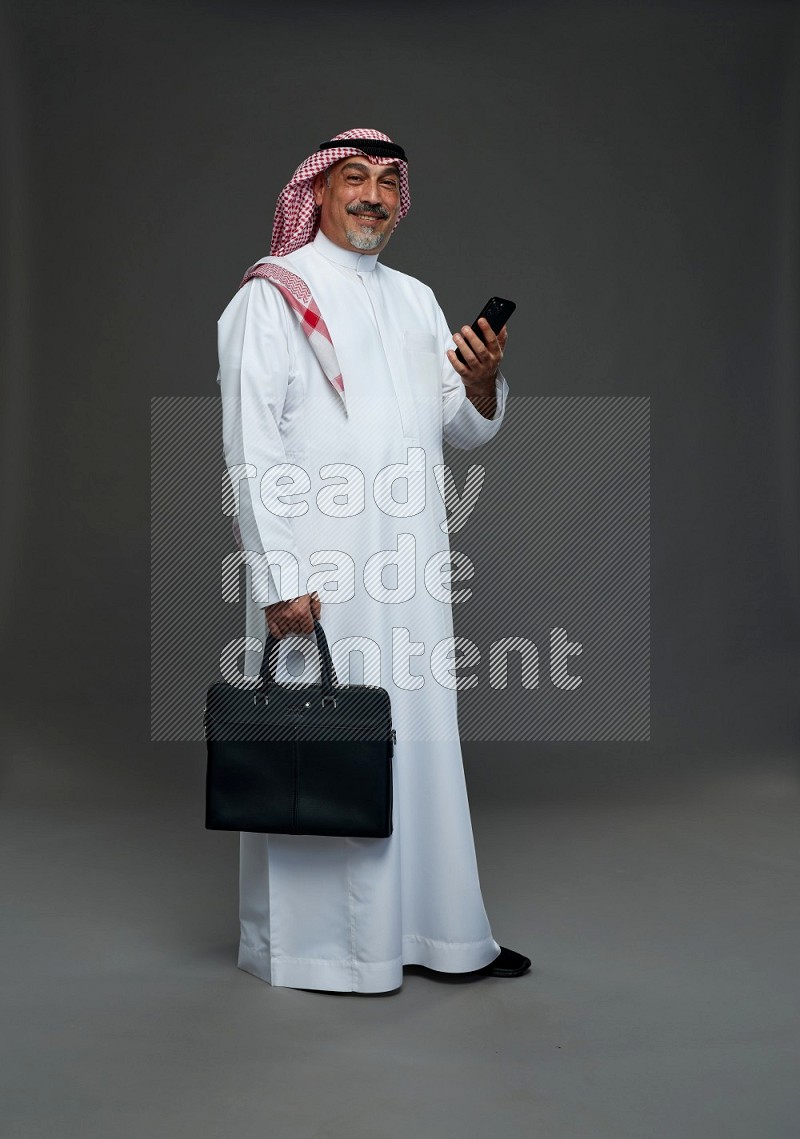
[463,426]
[255,366]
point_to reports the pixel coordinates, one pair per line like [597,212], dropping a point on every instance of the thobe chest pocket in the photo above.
[423,372]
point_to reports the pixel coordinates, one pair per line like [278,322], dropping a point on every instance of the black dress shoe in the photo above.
[507,964]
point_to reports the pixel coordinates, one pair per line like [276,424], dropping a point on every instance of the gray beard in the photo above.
[364,240]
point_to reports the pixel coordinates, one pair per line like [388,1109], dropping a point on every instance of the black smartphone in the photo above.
[497,310]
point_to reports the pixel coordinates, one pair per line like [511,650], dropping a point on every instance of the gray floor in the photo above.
[657,897]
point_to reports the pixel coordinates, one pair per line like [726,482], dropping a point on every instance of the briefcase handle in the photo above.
[329,678]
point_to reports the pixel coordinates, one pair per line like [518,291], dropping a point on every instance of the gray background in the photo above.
[628,173]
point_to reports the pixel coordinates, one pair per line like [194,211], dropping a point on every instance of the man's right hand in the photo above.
[285,617]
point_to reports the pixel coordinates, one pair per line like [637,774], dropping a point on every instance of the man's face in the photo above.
[360,206]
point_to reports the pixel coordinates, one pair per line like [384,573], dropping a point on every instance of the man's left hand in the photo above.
[482,360]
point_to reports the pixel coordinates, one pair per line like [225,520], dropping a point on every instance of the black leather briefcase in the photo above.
[308,759]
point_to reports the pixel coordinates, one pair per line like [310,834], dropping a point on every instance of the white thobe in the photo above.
[347,913]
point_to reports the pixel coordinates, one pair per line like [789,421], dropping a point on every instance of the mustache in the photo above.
[377,211]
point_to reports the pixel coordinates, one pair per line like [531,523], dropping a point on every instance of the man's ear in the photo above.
[318,186]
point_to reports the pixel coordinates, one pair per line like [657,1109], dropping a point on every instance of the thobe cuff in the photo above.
[270,583]
[468,427]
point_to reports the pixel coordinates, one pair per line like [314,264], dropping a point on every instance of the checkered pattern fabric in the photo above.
[296,223]
[297,214]
[298,296]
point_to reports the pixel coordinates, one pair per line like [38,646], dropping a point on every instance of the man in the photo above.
[339,380]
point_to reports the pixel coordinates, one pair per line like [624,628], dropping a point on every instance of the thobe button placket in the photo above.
[405,401]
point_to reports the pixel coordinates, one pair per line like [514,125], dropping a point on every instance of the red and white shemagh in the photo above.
[296,223]
[298,296]
[297,214]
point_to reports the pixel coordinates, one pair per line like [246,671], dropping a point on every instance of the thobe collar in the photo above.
[351,259]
